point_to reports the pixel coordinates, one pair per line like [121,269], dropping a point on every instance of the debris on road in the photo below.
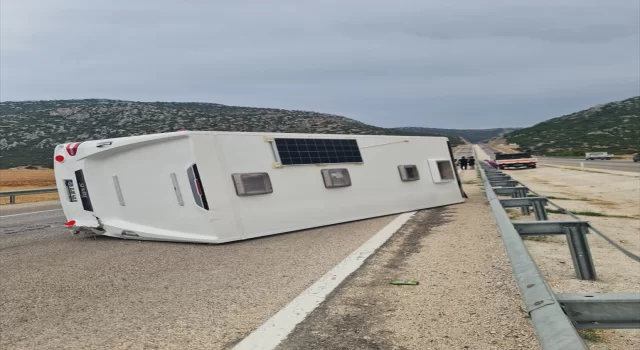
[405,283]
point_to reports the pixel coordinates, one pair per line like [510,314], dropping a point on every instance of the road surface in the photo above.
[490,152]
[614,164]
[463,151]
[70,291]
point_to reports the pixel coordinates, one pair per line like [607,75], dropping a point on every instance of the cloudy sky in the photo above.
[458,64]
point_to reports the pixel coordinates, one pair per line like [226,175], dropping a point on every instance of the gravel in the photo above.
[611,195]
[467,297]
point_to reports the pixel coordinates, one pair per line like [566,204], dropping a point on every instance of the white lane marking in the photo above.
[30,213]
[271,333]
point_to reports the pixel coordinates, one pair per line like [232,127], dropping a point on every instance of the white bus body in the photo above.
[243,185]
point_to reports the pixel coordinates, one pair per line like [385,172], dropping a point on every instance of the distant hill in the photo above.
[471,135]
[613,127]
[30,130]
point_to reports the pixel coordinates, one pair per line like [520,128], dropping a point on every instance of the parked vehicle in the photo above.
[636,157]
[516,160]
[598,155]
[215,187]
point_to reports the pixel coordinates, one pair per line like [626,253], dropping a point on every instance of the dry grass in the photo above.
[602,203]
[537,238]
[501,146]
[513,213]
[623,156]
[594,335]
[25,179]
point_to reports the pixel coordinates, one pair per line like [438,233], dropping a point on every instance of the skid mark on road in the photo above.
[23,229]
[30,213]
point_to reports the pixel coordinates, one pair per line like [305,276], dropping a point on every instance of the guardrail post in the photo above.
[575,231]
[580,253]
[602,311]
[503,183]
[498,175]
[540,211]
[522,193]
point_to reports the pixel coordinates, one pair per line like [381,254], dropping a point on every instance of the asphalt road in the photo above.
[463,151]
[488,150]
[61,290]
[614,164]
[29,208]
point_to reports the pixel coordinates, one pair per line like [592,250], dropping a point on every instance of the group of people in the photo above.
[465,162]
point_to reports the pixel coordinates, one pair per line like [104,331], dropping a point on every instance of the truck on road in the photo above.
[598,155]
[516,160]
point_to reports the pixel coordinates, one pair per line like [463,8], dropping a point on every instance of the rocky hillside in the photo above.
[29,130]
[471,135]
[613,127]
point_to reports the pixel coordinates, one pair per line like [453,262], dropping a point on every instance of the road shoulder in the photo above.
[32,207]
[467,297]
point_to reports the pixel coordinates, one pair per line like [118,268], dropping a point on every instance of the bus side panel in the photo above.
[300,199]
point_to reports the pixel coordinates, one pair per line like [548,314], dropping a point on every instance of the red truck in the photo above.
[515,160]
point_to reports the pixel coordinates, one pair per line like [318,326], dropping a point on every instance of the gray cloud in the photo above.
[438,64]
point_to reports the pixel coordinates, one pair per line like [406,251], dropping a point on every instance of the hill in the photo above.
[471,135]
[32,129]
[613,127]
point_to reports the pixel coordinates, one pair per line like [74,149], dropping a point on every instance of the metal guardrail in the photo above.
[13,194]
[554,329]
[556,317]
[575,231]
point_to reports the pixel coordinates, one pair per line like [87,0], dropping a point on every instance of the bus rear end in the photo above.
[72,188]
[140,187]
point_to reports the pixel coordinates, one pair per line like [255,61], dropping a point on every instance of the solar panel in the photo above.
[317,151]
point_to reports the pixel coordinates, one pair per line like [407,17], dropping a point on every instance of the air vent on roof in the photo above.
[334,178]
[251,184]
[409,172]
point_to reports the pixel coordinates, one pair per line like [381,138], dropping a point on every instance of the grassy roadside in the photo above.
[588,170]
[591,213]
[27,179]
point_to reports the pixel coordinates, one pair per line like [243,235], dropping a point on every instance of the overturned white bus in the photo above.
[215,187]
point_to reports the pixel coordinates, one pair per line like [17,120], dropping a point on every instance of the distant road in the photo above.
[614,164]
[463,151]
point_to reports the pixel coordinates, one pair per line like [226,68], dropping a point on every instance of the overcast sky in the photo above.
[457,64]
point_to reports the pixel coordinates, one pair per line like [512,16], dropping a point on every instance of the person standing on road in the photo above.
[472,162]
[463,163]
